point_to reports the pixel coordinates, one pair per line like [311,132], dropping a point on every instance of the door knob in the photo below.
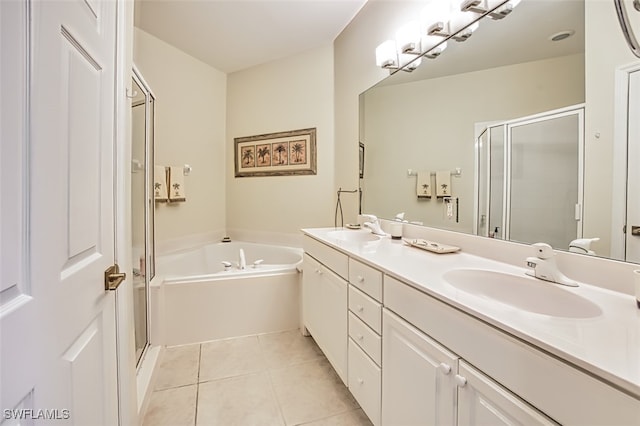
[113,277]
[635,230]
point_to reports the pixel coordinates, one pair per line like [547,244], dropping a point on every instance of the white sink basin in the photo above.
[357,236]
[522,292]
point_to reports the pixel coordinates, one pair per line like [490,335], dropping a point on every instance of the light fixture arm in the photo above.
[625,25]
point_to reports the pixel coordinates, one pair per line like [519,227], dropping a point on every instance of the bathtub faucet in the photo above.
[243,262]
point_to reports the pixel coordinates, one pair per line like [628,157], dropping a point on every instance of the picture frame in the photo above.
[361,160]
[276,154]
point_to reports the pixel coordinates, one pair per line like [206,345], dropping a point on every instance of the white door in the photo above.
[633,175]
[483,402]
[57,322]
[418,385]
[325,312]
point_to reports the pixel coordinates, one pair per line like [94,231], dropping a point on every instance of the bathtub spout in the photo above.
[243,262]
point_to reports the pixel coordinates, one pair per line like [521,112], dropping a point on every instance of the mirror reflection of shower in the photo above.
[529,181]
[142,208]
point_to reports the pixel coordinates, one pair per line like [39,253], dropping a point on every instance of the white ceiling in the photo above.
[231,35]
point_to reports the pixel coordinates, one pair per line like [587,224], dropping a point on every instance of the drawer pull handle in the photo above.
[360,337]
[360,381]
[460,381]
[360,308]
[445,368]
[360,278]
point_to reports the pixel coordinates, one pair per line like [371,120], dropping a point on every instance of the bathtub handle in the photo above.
[257,263]
[227,265]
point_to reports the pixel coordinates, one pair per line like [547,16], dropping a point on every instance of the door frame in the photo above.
[620,136]
[125,339]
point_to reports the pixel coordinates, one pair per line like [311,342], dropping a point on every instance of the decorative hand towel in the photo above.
[176,184]
[160,193]
[423,185]
[443,183]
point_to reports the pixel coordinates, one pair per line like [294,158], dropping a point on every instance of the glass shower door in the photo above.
[497,182]
[142,209]
[545,185]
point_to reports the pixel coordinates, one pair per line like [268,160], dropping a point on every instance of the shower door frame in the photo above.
[507,127]
[149,210]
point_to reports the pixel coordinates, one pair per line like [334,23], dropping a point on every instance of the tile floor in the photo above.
[271,379]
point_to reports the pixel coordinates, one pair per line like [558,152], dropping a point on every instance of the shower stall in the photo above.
[529,178]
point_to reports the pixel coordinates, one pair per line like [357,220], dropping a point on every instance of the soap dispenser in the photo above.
[495,232]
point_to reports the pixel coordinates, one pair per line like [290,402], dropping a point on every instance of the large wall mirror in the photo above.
[529,118]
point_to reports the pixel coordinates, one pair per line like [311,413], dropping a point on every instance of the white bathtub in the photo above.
[196,300]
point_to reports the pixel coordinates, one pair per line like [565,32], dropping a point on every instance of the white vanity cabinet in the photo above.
[324,301]
[500,379]
[482,401]
[418,384]
[365,340]
[414,353]
[424,383]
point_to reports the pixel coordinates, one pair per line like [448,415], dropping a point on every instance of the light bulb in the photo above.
[386,55]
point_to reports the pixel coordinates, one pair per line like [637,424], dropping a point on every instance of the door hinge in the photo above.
[113,277]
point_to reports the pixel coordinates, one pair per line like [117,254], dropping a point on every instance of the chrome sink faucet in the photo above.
[372,223]
[544,266]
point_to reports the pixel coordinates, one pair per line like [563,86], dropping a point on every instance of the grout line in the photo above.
[275,397]
[195,417]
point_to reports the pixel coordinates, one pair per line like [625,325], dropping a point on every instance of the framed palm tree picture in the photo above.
[276,154]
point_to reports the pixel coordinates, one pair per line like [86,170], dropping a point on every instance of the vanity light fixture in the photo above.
[467,32]
[408,38]
[439,19]
[477,6]
[411,66]
[436,17]
[504,10]
[387,55]
[436,51]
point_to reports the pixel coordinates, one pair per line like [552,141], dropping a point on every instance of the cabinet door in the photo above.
[482,401]
[324,307]
[418,386]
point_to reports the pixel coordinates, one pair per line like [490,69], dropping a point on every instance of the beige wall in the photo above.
[289,94]
[355,72]
[189,129]
[605,51]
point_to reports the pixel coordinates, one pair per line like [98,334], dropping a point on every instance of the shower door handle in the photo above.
[113,277]
[635,230]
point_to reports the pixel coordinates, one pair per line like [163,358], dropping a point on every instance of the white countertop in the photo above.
[606,345]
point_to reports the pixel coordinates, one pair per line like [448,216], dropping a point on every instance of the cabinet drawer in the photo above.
[365,382]
[336,261]
[366,279]
[365,337]
[367,309]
